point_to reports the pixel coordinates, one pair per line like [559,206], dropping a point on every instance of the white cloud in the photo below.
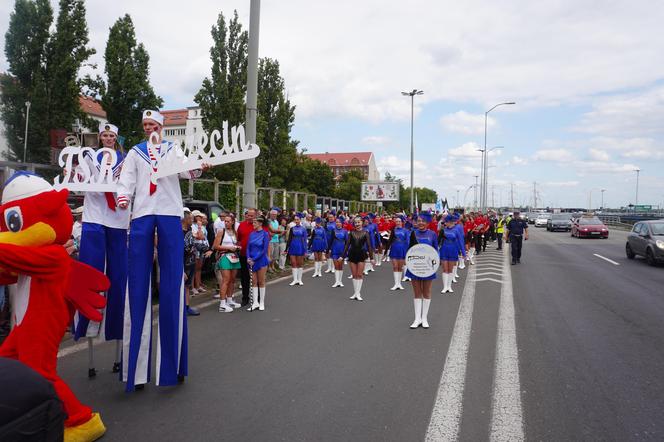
[562,183]
[554,155]
[598,154]
[465,123]
[328,73]
[375,140]
[518,161]
[466,150]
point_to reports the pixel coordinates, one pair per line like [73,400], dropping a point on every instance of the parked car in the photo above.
[542,219]
[559,221]
[589,227]
[646,239]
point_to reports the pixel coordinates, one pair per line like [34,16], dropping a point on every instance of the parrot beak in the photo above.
[38,234]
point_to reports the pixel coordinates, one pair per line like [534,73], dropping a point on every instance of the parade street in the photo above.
[565,346]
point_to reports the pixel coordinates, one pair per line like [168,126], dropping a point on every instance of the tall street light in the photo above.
[412,155]
[483,196]
[25,139]
[636,203]
[602,206]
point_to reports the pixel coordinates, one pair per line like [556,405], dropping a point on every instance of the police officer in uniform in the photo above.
[517,231]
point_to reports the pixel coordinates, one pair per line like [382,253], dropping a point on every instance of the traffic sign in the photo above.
[642,208]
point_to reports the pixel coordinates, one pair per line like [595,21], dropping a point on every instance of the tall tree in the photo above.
[26,43]
[350,185]
[127,91]
[67,53]
[273,126]
[221,96]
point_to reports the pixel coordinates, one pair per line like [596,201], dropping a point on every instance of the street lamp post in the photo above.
[602,206]
[636,202]
[484,193]
[25,138]
[412,154]
[476,189]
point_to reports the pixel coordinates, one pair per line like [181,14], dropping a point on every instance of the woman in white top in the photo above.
[228,249]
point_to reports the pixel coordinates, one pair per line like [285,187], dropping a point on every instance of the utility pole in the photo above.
[512,195]
[636,203]
[249,182]
[493,201]
[475,199]
[602,190]
[534,195]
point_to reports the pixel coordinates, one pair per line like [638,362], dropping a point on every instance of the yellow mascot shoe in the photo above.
[87,432]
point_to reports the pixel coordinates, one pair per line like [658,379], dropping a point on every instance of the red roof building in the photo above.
[91,107]
[342,162]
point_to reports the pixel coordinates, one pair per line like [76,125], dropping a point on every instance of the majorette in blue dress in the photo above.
[318,241]
[399,243]
[297,241]
[257,249]
[450,246]
[339,238]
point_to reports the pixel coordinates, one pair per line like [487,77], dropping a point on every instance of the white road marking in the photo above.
[490,279]
[490,273]
[507,414]
[448,407]
[83,345]
[607,259]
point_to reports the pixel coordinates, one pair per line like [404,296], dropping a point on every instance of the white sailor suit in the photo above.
[157,207]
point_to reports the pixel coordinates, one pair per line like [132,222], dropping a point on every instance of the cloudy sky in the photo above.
[584,74]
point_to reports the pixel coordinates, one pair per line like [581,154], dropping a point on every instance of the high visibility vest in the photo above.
[500,226]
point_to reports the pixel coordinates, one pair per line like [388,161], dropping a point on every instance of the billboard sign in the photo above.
[380,191]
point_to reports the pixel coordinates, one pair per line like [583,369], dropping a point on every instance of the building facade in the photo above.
[181,123]
[341,163]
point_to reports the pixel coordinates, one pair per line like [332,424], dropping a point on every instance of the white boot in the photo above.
[471,255]
[453,274]
[444,290]
[316,268]
[456,272]
[370,267]
[299,276]
[330,266]
[350,276]
[359,288]
[261,306]
[405,278]
[449,283]
[378,262]
[462,263]
[425,312]
[341,276]
[294,271]
[254,300]
[397,278]
[336,279]
[354,289]
[367,266]
[417,303]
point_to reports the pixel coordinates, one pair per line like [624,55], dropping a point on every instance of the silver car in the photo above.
[646,239]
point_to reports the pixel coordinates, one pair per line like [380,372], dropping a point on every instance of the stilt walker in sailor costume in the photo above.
[448,238]
[318,245]
[397,247]
[336,248]
[422,286]
[104,247]
[329,230]
[296,248]
[157,208]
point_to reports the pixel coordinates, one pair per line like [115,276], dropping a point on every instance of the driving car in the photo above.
[646,239]
[559,221]
[542,219]
[589,227]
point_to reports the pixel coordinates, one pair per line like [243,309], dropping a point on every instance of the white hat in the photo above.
[196,213]
[107,127]
[153,115]
[24,185]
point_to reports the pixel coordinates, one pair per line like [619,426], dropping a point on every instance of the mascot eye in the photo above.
[14,219]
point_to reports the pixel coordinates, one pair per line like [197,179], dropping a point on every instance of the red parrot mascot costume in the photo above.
[35,223]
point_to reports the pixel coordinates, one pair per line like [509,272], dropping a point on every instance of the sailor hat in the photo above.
[108,127]
[153,115]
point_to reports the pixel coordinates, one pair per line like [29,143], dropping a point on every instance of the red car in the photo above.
[589,227]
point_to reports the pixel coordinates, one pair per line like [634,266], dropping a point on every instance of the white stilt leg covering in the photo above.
[294,271]
[262,298]
[417,303]
[425,312]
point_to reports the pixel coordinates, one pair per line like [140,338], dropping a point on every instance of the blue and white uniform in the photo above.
[339,238]
[104,247]
[257,249]
[318,239]
[399,243]
[297,241]
[156,209]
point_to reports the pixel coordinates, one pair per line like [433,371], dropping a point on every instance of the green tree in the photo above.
[350,185]
[67,53]
[273,126]
[127,91]
[221,96]
[26,42]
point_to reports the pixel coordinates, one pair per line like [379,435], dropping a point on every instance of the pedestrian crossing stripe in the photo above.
[489,279]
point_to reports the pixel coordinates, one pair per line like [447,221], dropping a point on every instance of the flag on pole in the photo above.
[439,206]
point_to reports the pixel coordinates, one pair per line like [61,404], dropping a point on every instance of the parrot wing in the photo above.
[83,289]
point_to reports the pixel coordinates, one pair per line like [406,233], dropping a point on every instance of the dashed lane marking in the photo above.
[490,279]
[507,414]
[607,259]
[448,407]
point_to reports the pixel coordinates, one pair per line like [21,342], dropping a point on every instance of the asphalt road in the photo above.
[566,346]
